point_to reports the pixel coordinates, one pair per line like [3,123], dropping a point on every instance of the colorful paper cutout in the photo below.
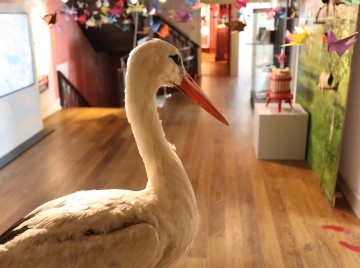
[183,15]
[135,8]
[190,2]
[120,3]
[91,22]
[67,10]
[115,11]
[241,3]
[107,19]
[81,4]
[164,31]
[155,27]
[299,37]
[324,37]
[282,58]
[124,26]
[82,19]
[105,10]
[106,3]
[287,36]
[50,18]
[340,46]
[236,25]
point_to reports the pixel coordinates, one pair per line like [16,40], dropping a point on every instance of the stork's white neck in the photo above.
[163,167]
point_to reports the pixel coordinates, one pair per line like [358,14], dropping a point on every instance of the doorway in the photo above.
[215,38]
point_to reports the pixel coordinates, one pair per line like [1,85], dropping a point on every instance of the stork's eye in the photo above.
[176,58]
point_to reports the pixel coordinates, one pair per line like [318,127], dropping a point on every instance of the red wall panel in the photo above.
[92,73]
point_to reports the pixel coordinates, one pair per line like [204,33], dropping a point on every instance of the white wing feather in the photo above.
[114,218]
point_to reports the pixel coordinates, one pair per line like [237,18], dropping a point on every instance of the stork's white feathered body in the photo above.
[119,228]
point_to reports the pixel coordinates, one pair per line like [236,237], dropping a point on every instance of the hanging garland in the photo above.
[96,13]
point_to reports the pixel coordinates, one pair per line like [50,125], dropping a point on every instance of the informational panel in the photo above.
[16,63]
[322,84]
[20,115]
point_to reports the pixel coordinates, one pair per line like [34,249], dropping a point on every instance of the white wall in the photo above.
[20,115]
[49,101]
[350,147]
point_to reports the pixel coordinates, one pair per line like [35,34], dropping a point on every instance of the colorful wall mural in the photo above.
[322,86]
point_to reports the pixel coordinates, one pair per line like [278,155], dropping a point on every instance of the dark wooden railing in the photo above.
[69,95]
[187,47]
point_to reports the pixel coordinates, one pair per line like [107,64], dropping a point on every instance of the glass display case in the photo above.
[268,34]
[263,54]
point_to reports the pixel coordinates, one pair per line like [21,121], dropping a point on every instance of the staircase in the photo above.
[69,95]
[113,40]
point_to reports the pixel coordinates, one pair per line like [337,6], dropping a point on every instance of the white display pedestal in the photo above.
[280,135]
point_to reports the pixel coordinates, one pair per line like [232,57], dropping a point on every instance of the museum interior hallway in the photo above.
[253,213]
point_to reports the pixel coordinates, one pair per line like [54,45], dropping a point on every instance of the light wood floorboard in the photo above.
[253,213]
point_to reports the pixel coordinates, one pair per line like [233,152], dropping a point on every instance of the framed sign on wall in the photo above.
[16,62]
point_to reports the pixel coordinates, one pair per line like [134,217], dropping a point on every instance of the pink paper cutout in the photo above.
[340,46]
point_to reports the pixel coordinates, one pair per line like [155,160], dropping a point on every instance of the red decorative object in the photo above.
[282,58]
[279,87]
[82,19]
[271,95]
[241,3]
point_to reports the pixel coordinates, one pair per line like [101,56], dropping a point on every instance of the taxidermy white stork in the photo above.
[153,227]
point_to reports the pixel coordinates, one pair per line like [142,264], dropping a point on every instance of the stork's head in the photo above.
[160,63]
[157,61]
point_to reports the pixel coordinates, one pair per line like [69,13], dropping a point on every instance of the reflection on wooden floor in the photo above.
[210,67]
[253,213]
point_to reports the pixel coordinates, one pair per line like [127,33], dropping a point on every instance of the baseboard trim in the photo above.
[350,194]
[10,156]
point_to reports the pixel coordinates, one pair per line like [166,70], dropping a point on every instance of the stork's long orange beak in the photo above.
[191,89]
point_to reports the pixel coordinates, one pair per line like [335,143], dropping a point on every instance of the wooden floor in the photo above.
[254,213]
[212,68]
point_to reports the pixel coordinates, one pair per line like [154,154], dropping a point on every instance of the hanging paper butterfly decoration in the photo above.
[183,15]
[282,58]
[95,13]
[190,2]
[299,37]
[241,3]
[164,31]
[236,25]
[50,18]
[340,46]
